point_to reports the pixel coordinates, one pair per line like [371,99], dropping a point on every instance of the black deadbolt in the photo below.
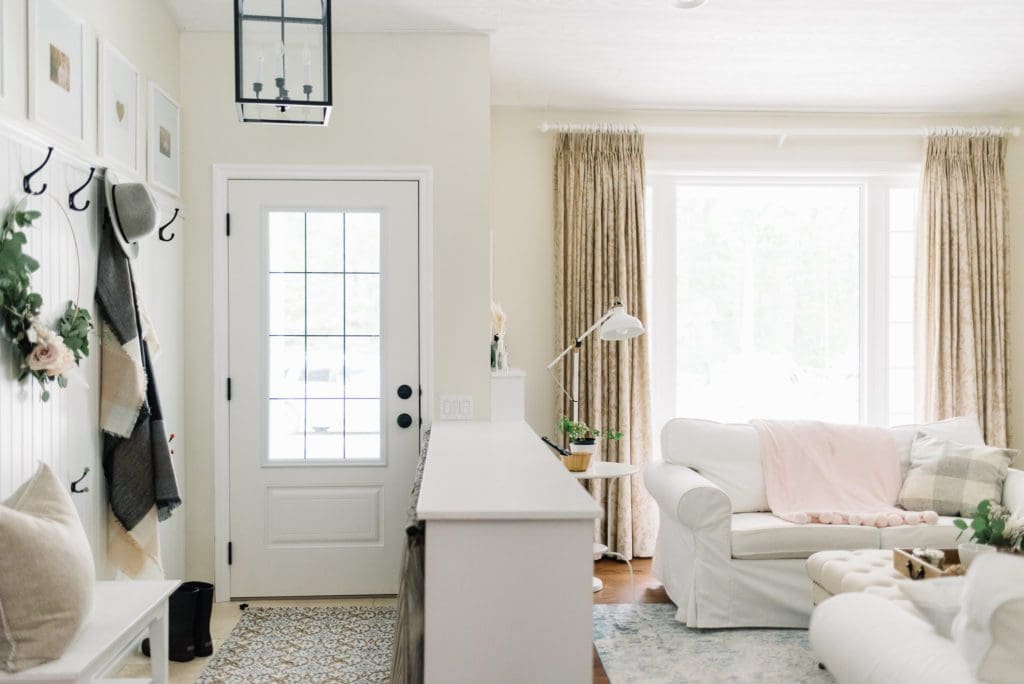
[404,391]
[404,420]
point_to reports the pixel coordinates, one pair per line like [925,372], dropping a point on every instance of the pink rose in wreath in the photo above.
[50,355]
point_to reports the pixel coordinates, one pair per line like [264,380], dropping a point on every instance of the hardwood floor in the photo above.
[615,576]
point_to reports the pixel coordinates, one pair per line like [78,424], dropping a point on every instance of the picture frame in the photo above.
[117,108]
[56,69]
[164,136]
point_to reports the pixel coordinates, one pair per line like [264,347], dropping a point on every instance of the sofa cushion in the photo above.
[941,535]
[953,478]
[963,429]
[989,629]
[765,536]
[727,454]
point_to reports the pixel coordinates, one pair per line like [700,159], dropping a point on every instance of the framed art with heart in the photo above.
[118,108]
[56,69]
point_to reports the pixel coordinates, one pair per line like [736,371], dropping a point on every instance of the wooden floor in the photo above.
[615,576]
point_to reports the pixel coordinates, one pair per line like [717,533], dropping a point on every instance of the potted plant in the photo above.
[583,442]
[993,527]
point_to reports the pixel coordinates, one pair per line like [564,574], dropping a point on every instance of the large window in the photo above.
[783,298]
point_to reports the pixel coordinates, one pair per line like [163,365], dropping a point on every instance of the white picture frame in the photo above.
[117,110]
[164,135]
[56,69]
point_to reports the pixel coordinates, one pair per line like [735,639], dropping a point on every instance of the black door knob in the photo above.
[404,391]
[404,420]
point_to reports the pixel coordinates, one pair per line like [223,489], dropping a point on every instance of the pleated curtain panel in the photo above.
[600,257]
[962,282]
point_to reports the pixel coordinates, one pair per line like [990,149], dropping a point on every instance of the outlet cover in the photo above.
[456,407]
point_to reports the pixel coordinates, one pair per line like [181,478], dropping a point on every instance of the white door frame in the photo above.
[222,174]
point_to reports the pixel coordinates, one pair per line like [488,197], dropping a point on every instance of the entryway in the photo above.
[324,383]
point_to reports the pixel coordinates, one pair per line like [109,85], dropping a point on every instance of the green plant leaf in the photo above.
[960,524]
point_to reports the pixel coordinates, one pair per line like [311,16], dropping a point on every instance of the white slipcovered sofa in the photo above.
[725,560]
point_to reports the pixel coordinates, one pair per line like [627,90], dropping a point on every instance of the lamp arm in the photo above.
[579,340]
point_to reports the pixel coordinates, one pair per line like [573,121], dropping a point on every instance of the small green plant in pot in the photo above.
[583,442]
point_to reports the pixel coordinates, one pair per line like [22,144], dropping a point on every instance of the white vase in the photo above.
[968,551]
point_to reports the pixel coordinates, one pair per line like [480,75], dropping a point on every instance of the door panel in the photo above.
[324,328]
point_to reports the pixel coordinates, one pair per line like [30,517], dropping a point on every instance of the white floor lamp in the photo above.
[616,325]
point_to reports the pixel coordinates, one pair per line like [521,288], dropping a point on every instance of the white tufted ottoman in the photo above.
[867,570]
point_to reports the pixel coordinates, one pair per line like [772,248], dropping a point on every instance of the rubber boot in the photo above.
[181,630]
[204,610]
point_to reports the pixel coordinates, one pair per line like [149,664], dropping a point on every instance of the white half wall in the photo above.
[522,210]
[400,100]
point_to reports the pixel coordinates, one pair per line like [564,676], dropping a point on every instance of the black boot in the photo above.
[204,609]
[182,609]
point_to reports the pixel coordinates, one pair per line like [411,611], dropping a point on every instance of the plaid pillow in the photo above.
[952,478]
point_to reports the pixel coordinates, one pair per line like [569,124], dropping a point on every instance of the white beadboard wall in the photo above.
[64,432]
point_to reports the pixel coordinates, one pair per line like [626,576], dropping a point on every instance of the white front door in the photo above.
[324,383]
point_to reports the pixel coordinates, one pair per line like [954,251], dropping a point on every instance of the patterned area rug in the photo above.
[645,645]
[347,645]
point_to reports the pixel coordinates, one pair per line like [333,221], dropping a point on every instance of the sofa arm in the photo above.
[1013,490]
[868,639]
[697,502]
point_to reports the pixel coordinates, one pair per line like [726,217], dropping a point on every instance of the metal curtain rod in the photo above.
[782,132]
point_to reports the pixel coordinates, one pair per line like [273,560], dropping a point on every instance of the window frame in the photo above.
[875,183]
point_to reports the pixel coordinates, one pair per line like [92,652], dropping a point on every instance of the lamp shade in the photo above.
[621,326]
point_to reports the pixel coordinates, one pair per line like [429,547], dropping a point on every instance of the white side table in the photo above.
[605,470]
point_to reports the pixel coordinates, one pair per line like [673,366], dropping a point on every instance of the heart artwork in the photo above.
[119,108]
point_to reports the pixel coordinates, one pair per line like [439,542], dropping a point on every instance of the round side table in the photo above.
[605,470]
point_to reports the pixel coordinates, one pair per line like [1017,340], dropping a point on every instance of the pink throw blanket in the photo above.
[834,474]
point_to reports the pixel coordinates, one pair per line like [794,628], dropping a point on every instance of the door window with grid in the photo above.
[324,359]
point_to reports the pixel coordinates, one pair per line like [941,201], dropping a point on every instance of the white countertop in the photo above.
[479,470]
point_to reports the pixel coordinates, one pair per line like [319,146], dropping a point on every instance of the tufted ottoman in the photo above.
[867,570]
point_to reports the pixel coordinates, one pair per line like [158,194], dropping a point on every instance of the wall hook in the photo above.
[74,485]
[74,194]
[27,182]
[160,233]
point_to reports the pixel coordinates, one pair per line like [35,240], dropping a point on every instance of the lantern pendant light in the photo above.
[289,42]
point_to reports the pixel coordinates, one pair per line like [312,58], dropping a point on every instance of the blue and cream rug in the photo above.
[645,645]
[348,645]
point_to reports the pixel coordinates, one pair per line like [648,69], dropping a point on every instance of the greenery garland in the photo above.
[46,354]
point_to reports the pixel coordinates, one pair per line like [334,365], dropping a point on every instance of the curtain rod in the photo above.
[778,132]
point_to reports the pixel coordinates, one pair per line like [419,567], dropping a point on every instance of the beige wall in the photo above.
[400,99]
[522,207]
[145,32]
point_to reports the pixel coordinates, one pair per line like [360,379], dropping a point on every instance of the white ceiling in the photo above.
[829,55]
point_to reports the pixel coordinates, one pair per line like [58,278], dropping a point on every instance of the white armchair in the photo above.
[725,560]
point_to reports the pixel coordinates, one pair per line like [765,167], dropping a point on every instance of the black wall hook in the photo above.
[160,233]
[74,194]
[27,182]
[74,485]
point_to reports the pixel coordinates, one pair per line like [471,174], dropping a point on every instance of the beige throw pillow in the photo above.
[952,478]
[47,575]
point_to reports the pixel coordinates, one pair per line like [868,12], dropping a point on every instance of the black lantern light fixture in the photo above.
[283,61]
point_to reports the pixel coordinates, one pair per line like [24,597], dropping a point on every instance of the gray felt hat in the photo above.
[133,212]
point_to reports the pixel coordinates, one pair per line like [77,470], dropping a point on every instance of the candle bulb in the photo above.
[280,62]
[259,66]
[307,61]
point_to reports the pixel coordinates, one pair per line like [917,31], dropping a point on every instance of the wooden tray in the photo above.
[906,563]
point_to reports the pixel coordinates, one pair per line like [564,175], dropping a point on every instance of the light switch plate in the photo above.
[457,407]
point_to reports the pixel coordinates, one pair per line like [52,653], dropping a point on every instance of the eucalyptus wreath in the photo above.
[46,354]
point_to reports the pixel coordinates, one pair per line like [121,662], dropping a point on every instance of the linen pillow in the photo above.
[937,599]
[952,478]
[47,574]
[989,629]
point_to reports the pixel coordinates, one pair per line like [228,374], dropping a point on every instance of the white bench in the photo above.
[121,612]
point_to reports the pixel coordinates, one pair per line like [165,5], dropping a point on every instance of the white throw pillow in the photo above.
[989,630]
[937,599]
[962,429]
[952,478]
[47,575]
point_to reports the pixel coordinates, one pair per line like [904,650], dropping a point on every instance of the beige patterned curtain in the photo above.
[961,282]
[601,255]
